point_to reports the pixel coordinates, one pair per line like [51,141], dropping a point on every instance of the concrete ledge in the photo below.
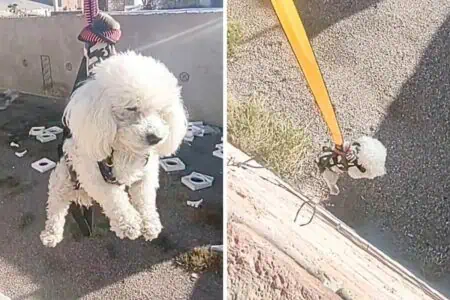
[328,249]
[167,11]
[147,12]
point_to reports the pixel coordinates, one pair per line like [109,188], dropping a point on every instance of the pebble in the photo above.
[194,276]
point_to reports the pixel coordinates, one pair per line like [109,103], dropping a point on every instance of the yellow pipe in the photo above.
[297,37]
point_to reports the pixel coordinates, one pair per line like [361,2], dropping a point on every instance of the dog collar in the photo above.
[106,169]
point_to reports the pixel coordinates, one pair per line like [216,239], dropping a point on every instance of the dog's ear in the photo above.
[177,118]
[90,120]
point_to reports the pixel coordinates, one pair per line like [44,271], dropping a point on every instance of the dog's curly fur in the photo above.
[372,156]
[131,102]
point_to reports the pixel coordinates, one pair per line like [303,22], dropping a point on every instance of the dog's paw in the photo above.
[127,226]
[151,229]
[50,239]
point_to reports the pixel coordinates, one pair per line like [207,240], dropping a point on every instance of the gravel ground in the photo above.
[386,67]
[103,266]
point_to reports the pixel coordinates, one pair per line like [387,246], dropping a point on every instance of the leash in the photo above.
[298,39]
[99,36]
[341,156]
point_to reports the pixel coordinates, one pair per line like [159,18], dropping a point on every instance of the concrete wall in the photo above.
[186,41]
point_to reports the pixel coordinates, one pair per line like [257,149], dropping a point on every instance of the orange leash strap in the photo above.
[296,35]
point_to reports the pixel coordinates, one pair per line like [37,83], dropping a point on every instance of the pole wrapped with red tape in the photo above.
[101,28]
[90,10]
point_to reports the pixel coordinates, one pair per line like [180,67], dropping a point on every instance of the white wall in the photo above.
[185,40]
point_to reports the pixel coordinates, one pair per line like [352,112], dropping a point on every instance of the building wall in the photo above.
[116,5]
[70,5]
[103,5]
[190,44]
[173,4]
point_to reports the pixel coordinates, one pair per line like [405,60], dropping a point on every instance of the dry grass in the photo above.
[234,36]
[200,259]
[270,138]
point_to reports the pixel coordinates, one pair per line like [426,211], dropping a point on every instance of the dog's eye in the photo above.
[134,108]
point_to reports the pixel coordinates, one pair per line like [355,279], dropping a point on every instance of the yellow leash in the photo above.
[296,35]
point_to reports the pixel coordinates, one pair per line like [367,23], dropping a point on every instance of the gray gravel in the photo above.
[386,67]
[101,267]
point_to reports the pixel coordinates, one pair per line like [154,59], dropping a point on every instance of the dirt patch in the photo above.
[200,259]
[256,271]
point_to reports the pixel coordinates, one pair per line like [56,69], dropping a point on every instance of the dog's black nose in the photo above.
[153,139]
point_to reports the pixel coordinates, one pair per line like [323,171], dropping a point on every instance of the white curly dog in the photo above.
[123,119]
[371,155]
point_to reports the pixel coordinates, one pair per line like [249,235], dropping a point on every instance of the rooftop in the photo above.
[24,4]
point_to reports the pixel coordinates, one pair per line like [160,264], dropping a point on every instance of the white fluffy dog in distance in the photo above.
[371,155]
[125,117]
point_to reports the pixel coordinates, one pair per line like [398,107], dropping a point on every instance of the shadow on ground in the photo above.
[81,266]
[411,203]
[317,16]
